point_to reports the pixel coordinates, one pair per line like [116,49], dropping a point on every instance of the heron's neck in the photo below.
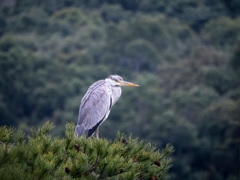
[116,93]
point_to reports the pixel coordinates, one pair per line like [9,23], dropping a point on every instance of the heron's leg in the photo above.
[97,133]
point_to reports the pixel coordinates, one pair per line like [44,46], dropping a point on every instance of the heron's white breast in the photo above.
[106,116]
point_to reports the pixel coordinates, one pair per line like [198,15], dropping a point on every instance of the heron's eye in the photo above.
[116,80]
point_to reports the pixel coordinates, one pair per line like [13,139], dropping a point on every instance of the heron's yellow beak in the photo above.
[125,83]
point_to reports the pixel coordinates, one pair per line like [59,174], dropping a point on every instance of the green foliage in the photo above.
[222,32]
[43,156]
[220,79]
[235,62]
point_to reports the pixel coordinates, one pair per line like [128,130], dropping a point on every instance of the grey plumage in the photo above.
[97,103]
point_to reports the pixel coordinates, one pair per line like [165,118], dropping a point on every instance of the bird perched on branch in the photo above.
[97,104]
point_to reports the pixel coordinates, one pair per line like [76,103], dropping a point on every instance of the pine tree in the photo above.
[41,156]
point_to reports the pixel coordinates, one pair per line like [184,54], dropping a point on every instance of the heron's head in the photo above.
[115,80]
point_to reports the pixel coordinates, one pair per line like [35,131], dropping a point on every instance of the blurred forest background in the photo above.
[184,54]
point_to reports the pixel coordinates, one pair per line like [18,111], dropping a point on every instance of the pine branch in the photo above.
[43,156]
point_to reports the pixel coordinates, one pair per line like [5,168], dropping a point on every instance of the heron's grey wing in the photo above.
[95,104]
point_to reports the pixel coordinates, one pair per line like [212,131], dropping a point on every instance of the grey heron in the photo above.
[97,103]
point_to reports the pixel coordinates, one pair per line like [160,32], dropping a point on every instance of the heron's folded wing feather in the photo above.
[95,105]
